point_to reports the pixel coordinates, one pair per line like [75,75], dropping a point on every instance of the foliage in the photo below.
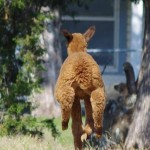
[49,123]
[21,23]
[20,57]
[28,125]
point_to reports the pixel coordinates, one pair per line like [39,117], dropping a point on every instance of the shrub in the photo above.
[21,24]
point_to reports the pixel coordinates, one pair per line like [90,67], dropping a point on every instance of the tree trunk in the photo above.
[139,132]
[52,61]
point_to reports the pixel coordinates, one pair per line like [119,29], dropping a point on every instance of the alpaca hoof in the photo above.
[98,136]
[64,125]
[83,137]
[87,129]
[98,132]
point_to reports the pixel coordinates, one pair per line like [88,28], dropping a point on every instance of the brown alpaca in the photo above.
[80,78]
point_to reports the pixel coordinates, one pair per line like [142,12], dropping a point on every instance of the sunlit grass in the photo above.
[28,143]
[63,142]
[65,137]
[21,142]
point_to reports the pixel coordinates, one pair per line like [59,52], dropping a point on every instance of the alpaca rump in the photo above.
[80,78]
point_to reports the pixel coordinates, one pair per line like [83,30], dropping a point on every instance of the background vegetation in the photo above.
[21,61]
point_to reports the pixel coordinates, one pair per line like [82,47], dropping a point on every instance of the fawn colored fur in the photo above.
[80,78]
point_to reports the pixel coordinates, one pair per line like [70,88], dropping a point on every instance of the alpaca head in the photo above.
[77,42]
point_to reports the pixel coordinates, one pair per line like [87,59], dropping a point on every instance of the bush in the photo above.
[21,24]
[28,125]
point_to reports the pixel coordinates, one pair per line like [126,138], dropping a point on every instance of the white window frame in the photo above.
[116,20]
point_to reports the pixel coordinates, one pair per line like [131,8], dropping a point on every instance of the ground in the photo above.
[63,142]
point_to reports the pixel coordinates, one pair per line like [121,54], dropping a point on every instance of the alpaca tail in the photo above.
[83,76]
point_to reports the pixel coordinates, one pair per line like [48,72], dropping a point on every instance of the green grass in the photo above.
[65,137]
[21,142]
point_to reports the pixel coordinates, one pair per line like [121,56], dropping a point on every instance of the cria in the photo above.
[80,79]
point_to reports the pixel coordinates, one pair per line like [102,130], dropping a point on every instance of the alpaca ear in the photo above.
[67,35]
[89,33]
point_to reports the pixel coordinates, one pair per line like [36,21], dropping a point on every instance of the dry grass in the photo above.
[20,142]
[29,143]
[63,142]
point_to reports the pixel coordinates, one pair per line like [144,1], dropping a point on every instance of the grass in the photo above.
[65,137]
[21,142]
[28,143]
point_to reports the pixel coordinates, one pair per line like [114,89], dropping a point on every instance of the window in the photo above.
[104,14]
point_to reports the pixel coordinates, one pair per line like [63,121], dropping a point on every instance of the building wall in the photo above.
[110,45]
[131,37]
[135,35]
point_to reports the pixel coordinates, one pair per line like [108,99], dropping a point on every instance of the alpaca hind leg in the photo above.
[77,124]
[98,105]
[89,123]
[66,102]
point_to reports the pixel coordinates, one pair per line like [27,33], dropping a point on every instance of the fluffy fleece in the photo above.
[80,79]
